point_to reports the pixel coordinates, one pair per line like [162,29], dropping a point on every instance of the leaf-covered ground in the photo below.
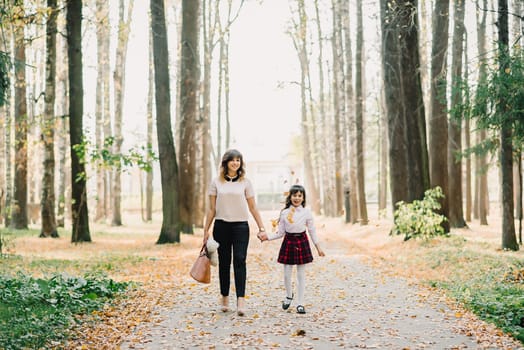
[358,296]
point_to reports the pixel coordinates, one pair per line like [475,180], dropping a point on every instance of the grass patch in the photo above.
[487,281]
[34,311]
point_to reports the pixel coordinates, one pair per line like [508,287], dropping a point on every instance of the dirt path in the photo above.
[349,306]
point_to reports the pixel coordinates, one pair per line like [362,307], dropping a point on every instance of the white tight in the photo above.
[301,282]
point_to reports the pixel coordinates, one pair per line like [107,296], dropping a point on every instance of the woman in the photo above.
[231,195]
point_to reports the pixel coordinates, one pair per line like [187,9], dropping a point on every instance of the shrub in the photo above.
[419,219]
[34,311]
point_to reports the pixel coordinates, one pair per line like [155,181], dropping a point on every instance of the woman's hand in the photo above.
[262,235]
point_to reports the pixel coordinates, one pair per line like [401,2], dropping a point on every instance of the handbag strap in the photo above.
[203,251]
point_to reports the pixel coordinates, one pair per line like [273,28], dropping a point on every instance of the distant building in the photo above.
[271,180]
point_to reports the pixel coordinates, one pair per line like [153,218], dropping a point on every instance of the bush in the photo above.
[34,311]
[419,219]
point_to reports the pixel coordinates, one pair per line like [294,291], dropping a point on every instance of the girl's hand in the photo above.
[320,251]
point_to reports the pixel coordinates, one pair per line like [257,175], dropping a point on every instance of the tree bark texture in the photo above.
[359,117]
[170,230]
[124,24]
[509,239]
[19,203]
[338,108]
[456,213]
[398,168]
[48,200]
[189,84]
[438,141]
[481,169]
[76,110]
[101,112]
[413,101]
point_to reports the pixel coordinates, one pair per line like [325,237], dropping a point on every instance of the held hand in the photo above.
[262,236]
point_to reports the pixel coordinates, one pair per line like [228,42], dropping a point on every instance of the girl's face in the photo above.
[297,198]
[233,165]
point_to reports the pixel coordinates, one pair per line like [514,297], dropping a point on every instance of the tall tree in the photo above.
[322,144]
[481,163]
[79,207]
[299,37]
[124,24]
[347,110]
[398,156]
[412,100]
[189,85]
[149,136]
[5,203]
[338,105]
[456,214]
[48,201]
[359,116]
[170,231]
[19,204]
[438,140]
[102,93]
[509,240]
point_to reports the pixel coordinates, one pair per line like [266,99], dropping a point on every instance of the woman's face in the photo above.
[297,198]
[233,165]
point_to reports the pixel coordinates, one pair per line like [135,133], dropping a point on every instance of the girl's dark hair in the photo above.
[229,156]
[294,189]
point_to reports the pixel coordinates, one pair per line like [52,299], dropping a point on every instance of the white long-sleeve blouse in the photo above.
[295,220]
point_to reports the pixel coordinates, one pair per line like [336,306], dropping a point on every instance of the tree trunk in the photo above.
[7,130]
[124,26]
[19,203]
[79,208]
[149,137]
[208,46]
[481,162]
[323,188]
[347,107]
[338,108]
[189,83]
[398,161]
[49,123]
[170,231]
[467,140]
[359,118]
[456,214]
[438,140]
[414,112]
[62,133]
[101,112]
[509,239]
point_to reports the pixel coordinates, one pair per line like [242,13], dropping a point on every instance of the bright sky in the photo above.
[263,115]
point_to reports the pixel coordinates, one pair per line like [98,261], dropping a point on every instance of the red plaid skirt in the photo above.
[295,249]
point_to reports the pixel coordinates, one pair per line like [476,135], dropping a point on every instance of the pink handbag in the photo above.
[201,270]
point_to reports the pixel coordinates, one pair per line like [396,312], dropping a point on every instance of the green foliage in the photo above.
[419,219]
[500,99]
[142,157]
[6,242]
[495,300]
[34,311]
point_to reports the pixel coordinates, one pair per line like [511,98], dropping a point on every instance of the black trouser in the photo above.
[232,236]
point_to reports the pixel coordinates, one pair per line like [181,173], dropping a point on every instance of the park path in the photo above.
[350,305]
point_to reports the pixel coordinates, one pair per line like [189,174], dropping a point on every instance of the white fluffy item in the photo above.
[212,251]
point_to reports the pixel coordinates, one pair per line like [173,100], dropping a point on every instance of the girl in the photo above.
[294,219]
